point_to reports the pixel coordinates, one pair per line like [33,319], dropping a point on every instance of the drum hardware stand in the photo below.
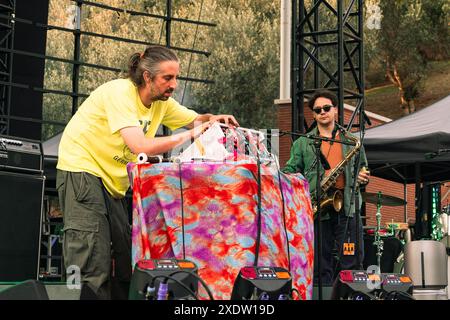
[378,242]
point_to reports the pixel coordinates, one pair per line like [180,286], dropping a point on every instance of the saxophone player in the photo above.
[338,226]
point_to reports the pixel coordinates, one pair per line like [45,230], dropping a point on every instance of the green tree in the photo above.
[244,63]
[412,33]
[436,45]
[400,37]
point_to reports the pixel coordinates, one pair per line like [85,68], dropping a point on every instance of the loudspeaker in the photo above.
[35,290]
[262,283]
[149,275]
[361,285]
[28,290]
[21,199]
[28,70]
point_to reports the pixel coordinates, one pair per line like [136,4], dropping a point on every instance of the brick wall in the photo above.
[391,213]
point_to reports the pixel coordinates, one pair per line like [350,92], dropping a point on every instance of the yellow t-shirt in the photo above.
[91,141]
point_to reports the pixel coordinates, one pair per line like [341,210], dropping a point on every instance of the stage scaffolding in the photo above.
[7,21]
[327,52]
[7,13]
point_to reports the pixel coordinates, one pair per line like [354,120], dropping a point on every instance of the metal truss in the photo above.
[7,8]
[8,20]
[327,52]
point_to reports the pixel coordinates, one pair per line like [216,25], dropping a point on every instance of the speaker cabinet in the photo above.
[21,206]
[27,290]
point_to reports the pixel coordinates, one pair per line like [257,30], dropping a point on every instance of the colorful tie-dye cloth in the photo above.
[207,213]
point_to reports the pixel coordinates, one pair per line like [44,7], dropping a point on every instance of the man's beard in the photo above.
[162,96]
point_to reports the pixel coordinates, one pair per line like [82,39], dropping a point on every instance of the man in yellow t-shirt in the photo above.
[115,123]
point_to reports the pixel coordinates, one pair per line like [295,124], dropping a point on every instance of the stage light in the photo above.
[164,279]
[262,283]
[361,285]
[435,209]
[354,285]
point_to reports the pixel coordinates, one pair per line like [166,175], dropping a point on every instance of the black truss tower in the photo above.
[7,8]
[327,52]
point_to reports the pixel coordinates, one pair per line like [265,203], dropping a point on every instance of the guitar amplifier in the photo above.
[21,155]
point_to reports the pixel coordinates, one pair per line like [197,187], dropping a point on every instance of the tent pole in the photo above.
[418,225]
[405,197]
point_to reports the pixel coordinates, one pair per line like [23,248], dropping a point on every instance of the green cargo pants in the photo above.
[97,234]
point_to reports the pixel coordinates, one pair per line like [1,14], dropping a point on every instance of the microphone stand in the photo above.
[317,144]
[355,195]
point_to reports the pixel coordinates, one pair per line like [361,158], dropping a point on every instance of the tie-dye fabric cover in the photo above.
[211,220]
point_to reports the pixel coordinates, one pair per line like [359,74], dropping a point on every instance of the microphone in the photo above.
[333,135]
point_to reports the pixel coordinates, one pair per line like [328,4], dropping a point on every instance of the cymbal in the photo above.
[386,200]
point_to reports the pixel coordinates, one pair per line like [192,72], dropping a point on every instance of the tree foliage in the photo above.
[401,35]
[244,47]
[243,63]
[406,41]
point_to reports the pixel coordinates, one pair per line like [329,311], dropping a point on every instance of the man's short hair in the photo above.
[322,93]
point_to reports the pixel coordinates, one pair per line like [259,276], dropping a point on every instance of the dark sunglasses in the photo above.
[325,108]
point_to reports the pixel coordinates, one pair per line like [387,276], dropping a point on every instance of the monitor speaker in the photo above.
[36,290]
[28,290]
[21,200]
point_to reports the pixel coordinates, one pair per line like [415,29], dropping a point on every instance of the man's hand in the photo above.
[363,176]
[198,130]
[208,117]
[224,118]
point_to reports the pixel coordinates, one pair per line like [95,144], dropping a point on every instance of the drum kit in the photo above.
[379,200]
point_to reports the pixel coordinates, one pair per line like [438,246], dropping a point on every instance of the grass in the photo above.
[384,100]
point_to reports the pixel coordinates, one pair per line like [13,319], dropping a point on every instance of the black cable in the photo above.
[341,244]
[259,213]
[182,210]
[192,293]
[294,290]
[198,278]
[284,219]
[346,229]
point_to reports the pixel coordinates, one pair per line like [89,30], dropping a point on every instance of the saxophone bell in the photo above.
[336,200]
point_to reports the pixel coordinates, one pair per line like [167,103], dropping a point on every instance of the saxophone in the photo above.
[337,198]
